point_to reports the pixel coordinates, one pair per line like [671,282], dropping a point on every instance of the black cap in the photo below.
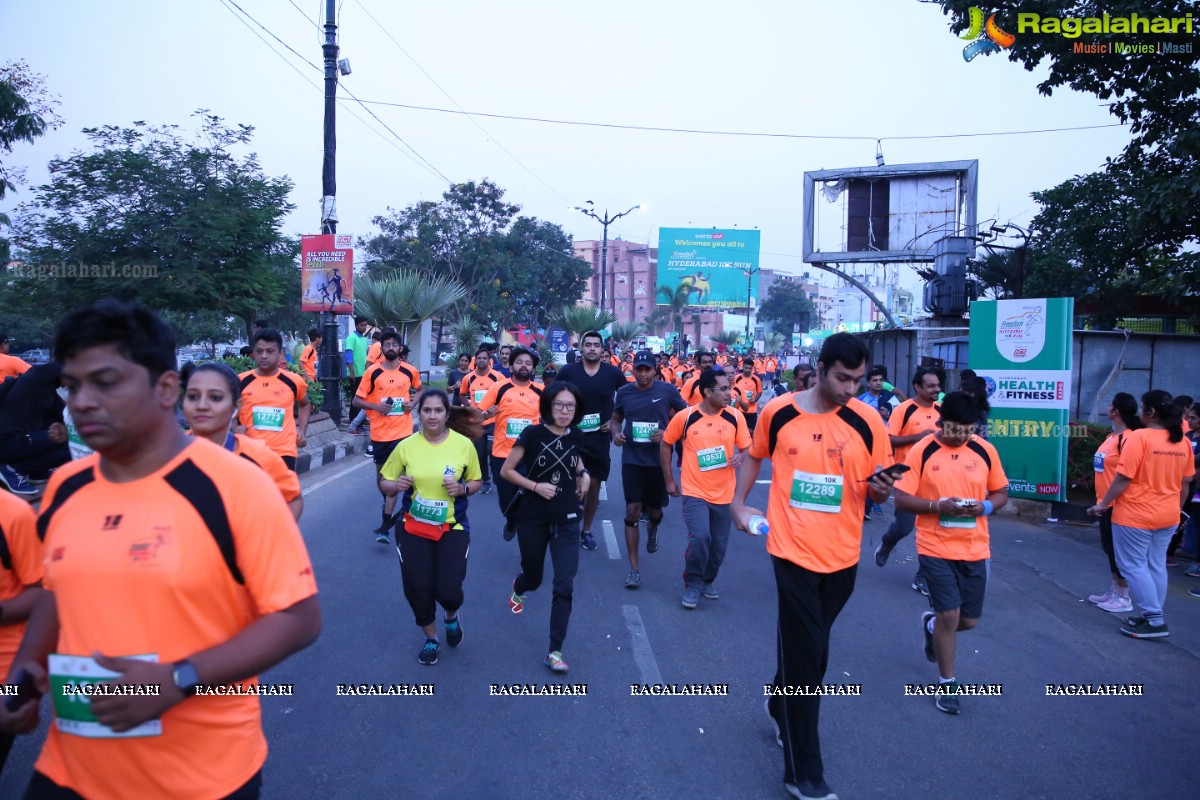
[645,358]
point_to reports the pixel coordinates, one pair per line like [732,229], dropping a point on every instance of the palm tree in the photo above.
[676,300]
[622,333]
[403,297]
[578,320]
[466,334]
[727,338]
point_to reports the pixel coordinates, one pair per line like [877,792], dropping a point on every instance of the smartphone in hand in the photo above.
[26,691]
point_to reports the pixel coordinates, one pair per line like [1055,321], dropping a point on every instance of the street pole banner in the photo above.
[1022,350]
[327,273]
[711,263]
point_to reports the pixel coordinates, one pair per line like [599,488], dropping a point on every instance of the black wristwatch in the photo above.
[185,676]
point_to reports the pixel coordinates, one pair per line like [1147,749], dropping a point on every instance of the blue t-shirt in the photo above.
[644,410]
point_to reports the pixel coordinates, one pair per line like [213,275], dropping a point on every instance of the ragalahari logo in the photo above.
[986,38]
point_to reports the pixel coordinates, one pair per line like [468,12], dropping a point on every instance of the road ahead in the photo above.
[462,742]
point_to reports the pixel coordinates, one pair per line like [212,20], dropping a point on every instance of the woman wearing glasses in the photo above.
[547,466]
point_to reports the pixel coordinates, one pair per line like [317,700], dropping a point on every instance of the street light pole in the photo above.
[605,220]
[329,368]
[750,273]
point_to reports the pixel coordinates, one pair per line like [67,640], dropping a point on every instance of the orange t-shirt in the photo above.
[20,566]
[614,360]
[308,362]
[909,419]
[749,389]
[11,366]
[374,353]
[1108,455]
[1156,468]
[379,384]
[267,408]
[135,568]
[258,453]
[709,441]
[689,392]
[474,386]
[971,472]
[820,463]
[516,409]
[771,363]
[665,373]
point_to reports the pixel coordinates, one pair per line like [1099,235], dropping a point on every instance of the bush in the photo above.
[316,392]
[1080,450]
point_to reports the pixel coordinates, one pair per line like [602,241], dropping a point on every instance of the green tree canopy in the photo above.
[27,111]
[786,303]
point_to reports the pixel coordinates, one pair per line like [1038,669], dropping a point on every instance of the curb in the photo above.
[334,451]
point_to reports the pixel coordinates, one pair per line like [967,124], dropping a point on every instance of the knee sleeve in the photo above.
[632,523]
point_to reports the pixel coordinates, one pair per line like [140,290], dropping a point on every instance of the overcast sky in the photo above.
[856,68]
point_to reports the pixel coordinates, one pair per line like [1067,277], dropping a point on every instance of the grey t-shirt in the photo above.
[642,411]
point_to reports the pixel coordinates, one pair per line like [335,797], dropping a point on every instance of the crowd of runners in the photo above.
[165,550]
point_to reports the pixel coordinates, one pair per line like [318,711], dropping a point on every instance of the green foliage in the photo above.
[465,331]
[621,333]
[578,320]
[674,299]
[727,338]
[785,302]
[404,297]
[27,111]
[1080,450]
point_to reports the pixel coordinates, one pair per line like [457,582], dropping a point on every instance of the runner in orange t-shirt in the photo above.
[268,397]
[312,350]
[955,481]
[825,447]
[908,424]
[513,404]
[688,392]
[1152,484]
[170,565]
[472,390]
[749,389]
[20,586]
[10,366]
[1123,413]
[715,439]
[375,350]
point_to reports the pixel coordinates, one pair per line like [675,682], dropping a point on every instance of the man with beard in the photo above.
[513,404]
[268,397]
[691,395]
[385,393]
[597,381]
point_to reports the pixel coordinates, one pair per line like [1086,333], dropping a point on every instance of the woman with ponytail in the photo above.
[1123,414]
[1151,486]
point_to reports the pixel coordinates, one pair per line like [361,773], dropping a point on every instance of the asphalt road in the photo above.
[462,742]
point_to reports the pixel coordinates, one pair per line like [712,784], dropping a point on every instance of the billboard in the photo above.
[327,273]
[1022,350]
[711,263]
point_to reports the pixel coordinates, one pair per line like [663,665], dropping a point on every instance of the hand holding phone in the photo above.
[894,471]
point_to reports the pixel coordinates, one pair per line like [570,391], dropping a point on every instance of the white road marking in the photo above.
[357,465]
[768,480]
[603,490]
[643,656]
[610,540]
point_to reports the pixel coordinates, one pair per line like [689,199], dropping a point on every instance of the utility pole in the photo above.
[330,368]
[605,220]
[750,273]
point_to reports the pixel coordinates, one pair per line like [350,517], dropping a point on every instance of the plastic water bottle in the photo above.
[759,525]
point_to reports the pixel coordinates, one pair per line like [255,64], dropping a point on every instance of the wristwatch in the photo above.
[185,676]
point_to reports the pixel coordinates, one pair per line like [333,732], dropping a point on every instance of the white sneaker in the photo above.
[1117,604]
[1102,598]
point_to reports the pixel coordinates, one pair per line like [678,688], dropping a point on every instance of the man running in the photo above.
[170,563]
[825,448]
[308,358]
[268,397]
[704,360]
[20,586]
[747,389]
[10,366]
[355,351]
[504,361]
[912,421]
[472,390]
[715,439]
[385,393]
[597,382]
[514,405]
[641,412]
[876,396]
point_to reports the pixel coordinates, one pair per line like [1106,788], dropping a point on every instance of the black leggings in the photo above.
[1106,542]
[433,572]
[42,788]
[563,543]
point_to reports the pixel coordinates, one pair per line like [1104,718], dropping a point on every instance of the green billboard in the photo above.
[712,264]
[1022,350]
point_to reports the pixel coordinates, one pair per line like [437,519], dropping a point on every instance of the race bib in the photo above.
[267,418]
[69,675]
[513,428]
[589,423]
[1098,462]
[397,407]
[815,492]
[435,512]
[479,395]
[642,431]
[711,458]
[749,397]
[947,521]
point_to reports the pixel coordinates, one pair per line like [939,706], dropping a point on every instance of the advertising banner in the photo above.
[1022,350]
[327,273]
[711,263]
[560,342]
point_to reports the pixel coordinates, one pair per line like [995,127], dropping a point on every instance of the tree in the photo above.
[147,214]
[27,111]
[1000,273]
[787,303]
[578,320]
[404,298]
[622,333]
[203,327]
[676,300]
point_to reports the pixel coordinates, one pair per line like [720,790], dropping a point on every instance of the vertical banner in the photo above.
[560,342]
[1022,350]
[327,273]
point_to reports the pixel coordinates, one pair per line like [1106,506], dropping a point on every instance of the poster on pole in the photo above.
[327,273]
[1022,350]
[712,263]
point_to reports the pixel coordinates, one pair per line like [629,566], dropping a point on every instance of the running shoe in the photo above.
[866,516]
[486,488]
[652,537]
[691,597]
[919,585]
[587,541]
[1097,599]
[555,662]
[1117,604]
[369,452]
[516,602]
[429,652]
[929,654]
[810,790]
[454,632]
[1171,562]
[633,580]
[710,592]
[881,554]
[1139,628]
[947,698]
[510,531]
[15,481]
[1194,570]
[774,722]
[1194,592]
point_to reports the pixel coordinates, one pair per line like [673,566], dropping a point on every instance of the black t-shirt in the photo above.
[553,459]
[650,408]
[597,391]
[453,382]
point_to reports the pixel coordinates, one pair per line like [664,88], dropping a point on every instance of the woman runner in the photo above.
[1123,413]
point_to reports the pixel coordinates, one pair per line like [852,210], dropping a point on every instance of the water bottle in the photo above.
[759,525]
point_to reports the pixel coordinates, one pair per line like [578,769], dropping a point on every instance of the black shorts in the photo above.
[644,485]
[289,462]
[955,584]
[383,450]
[596,455]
